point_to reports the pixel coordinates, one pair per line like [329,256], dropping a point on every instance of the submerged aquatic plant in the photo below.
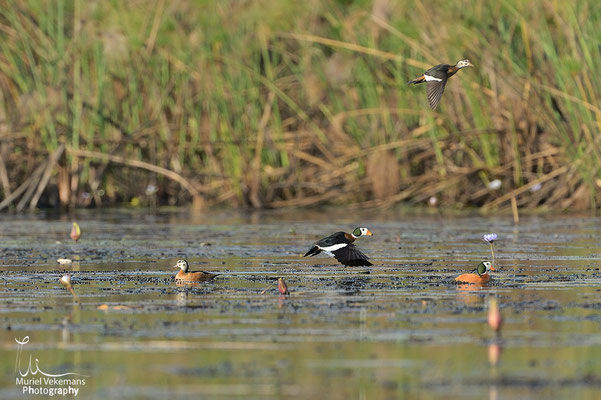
[490,239]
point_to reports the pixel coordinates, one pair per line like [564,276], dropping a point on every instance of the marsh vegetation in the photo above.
[274,104]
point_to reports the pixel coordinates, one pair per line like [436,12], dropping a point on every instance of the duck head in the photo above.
[464,63]
[484,267]
[181,264]
[361,232]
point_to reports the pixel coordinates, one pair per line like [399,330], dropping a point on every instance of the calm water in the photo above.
[403,330]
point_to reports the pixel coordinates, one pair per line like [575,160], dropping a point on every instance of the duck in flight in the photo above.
[340,246]
[437,77]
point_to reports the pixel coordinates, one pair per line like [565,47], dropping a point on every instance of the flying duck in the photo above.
[480,276]
[184,275]
[340,246]
[437,79]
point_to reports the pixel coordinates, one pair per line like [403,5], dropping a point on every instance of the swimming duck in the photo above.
[480,276]
[483,268]
[437,79]
[184,275]
[340,246]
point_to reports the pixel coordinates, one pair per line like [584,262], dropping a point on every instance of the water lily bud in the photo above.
[282,287]
[65,280]
[75,231]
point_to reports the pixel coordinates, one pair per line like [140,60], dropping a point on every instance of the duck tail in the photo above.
[417,80]
[313,251]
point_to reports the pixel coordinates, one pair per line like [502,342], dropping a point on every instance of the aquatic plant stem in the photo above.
[492,250]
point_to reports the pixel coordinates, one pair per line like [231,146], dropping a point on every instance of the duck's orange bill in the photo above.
[368,233]
[473,278]
[493,268]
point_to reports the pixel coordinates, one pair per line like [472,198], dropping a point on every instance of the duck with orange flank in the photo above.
[480,276]
[186,275]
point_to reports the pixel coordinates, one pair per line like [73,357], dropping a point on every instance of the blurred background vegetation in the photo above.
[299,103]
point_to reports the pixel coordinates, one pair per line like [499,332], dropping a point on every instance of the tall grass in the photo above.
[272,104]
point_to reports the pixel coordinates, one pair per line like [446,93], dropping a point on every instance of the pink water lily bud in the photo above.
[75,231]
[282,287]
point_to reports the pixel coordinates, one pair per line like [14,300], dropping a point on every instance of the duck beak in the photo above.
[368,233]
[493,268]
[470,65]
[175,266]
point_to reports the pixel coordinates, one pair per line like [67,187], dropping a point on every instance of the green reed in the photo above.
[222,91]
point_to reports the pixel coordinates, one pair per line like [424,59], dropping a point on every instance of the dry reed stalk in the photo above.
[255,173]
[352,47]
[193,189]
[514,210]
[526,187]
[24,186]
[305,201]
[52,162]
[36,177]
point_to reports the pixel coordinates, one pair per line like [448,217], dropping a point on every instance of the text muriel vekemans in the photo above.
[50,386]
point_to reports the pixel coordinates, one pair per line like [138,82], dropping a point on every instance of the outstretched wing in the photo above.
[435,90]
[313,251]
[351,256]
[333,239]
[437,79]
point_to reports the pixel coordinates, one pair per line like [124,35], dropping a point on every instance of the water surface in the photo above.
[400,329]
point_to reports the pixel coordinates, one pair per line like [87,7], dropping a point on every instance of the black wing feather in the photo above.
[435,89]
[351,256]
[328,241]
[313,251]
[334,238]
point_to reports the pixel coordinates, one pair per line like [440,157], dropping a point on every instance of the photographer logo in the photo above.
[38,382]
